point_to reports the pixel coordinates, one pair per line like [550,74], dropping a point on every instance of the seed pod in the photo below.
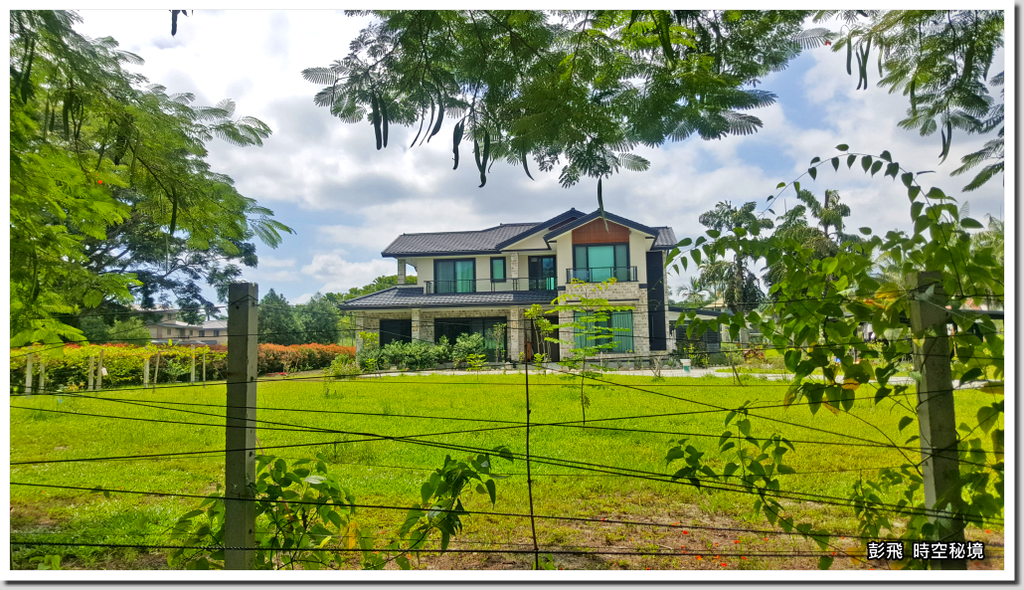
[456,139]
[487,147]
[600,204]
[430,123]
[420,130]
[440,117]
[525,164]
[375,118]
[479,164]
[384,121]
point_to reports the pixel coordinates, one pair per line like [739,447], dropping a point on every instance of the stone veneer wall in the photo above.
[624,293]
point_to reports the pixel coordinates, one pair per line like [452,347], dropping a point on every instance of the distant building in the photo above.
[169,328]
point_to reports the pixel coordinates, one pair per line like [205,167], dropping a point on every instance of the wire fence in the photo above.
[309,422]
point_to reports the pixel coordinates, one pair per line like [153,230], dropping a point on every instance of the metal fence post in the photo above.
[935,408]
[28,374]
[240,457]
[145,373]
[156,369]
[192,378]
[99,372]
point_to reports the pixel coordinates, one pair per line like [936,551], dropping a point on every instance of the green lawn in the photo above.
[391,472]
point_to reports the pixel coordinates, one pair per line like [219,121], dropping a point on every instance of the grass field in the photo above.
[391,472]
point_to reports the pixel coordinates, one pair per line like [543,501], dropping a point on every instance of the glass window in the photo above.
[498,270]
[216,333]
[542,273]
[615,328]
[601,262]
[455,276]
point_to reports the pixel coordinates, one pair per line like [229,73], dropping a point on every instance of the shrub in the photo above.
[124,363]
[443,350]
[393,354]
[368,358]
[467,345]
[695,350]
[420,356]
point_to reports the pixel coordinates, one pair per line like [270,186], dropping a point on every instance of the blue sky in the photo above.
[347,201]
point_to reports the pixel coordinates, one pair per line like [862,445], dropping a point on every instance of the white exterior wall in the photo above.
[564,260]
[638,254]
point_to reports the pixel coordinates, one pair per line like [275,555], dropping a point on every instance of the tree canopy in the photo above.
[941,60]
[576,89]
[112,199]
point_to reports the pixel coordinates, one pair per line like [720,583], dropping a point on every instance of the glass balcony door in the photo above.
[543,274]
[455,276]
[597,263]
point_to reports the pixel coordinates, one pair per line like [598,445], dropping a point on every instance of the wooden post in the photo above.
[192,379]
[204,368]
[240,457]
[99,372]
[145,373]
[42,374]
[935,410]
[92,368]
[156,369]
[28,374]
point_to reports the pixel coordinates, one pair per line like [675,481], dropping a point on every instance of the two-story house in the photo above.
[470,281]
[163,325]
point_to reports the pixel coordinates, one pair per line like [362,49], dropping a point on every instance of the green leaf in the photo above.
[866,231]
[892,170]
[491,491]
[780,185]
[813,172]
[792,359]
[885,155]
[876,167]
[908,179]
[850,160]
[971,375]
[835,163]
[842,147]
[744,426]
[866,162]
[968,223]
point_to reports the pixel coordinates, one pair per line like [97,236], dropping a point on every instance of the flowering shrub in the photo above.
[124,363]
[275,358]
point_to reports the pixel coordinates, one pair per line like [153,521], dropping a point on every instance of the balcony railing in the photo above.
[601,273]
[473,286]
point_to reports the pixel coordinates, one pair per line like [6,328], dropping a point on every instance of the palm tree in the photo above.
[830,214]
[694,294]
[742,292]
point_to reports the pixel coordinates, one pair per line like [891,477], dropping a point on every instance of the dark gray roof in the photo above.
[409,296]
[455,242]
[493,239]
[581,221]
[666,239]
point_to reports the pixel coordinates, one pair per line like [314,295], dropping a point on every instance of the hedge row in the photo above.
[68,367]
[274,358]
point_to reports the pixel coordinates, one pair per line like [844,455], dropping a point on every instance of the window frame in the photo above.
[504,269]
[616,338]
[454,261]
[616,263]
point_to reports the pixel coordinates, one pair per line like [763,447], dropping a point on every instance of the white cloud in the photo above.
[362,199]
[335,274]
